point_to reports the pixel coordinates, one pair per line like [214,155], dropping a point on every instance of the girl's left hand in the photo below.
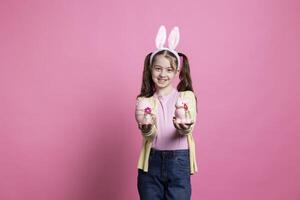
[181,126]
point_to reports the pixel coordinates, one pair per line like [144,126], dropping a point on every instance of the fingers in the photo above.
[181,126]
[176,124]
[145,128]
[189,124]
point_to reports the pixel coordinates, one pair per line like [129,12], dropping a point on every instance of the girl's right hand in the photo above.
[145,128]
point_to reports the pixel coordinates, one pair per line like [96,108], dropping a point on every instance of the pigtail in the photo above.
[185,77]
[148,87]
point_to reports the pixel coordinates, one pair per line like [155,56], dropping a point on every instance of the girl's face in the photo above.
[162,72]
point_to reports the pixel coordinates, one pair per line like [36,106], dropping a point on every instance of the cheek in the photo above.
[172,76]
[154,75]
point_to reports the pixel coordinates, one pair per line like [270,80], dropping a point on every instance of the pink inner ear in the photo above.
[160,37]
[175,42]
[173,38]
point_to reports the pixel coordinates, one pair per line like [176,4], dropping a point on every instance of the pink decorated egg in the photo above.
[143,111]
[182,111]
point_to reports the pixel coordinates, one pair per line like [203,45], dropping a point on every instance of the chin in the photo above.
[162,86]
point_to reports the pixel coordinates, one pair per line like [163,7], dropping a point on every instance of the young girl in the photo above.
[166,117]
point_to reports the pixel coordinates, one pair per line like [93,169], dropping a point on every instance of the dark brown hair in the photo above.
[185,84]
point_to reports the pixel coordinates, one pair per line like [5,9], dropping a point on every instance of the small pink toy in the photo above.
[144,112]
[182,112]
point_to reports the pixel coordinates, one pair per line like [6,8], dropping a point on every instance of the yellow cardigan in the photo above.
[147,139]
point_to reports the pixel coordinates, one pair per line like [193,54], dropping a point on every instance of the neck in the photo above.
[164,91]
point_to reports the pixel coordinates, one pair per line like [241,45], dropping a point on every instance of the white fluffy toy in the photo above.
[143,112]
[182,112]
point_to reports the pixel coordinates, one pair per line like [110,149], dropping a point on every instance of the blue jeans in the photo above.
[168,176]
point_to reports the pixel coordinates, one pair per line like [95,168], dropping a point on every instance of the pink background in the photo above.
[70,72]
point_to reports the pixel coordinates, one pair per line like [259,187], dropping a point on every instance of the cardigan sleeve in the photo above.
[190,96]
[151,134]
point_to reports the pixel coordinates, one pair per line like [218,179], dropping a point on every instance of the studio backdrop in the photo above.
[70,72]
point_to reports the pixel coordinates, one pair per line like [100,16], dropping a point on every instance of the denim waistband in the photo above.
[171,153]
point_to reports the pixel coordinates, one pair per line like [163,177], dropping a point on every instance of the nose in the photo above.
[162,73]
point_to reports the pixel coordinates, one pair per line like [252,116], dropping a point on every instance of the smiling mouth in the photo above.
[161,80]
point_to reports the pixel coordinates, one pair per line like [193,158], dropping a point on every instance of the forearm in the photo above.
[149,135]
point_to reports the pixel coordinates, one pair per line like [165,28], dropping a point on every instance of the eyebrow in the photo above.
[164,67]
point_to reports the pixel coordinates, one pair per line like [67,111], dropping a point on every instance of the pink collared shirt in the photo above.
[167,137]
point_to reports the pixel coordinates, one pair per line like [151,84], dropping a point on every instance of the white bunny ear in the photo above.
[174,38]
[161,37]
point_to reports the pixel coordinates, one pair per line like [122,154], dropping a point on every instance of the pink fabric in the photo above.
[167,137]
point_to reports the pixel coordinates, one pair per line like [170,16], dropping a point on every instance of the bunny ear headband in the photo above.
[173,41]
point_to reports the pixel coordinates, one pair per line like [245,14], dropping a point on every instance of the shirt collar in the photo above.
[165,97]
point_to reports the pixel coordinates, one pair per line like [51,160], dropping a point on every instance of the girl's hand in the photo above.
[181,126]
[145,128]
